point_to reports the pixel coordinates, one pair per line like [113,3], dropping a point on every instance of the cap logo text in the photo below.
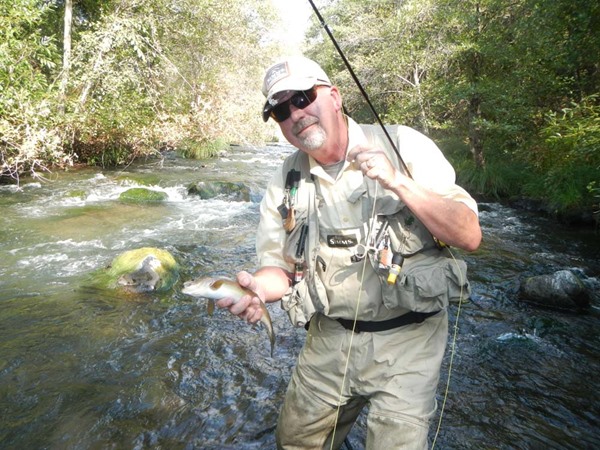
[276,73]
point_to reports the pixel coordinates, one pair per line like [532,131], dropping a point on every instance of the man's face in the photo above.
[311,129]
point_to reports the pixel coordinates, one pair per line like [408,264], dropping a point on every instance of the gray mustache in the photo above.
[299,126]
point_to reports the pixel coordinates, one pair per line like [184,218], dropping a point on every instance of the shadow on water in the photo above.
[83,367]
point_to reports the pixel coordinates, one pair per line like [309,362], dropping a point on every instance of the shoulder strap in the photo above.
[296,167]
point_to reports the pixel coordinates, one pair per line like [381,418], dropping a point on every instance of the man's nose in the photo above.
[296,113]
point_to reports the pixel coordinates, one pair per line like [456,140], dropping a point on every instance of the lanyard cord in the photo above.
[360,87]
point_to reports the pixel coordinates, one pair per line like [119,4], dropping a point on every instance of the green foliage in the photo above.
[568,156]
[571,136]
[486,74]
[163,73]
[201,150]
[29,141]
[25,53]
[497,180]
[114,89]
[564,189]
[143,76]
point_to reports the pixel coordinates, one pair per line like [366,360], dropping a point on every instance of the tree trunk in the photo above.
[475,137]
[421,99]
[66,54]
[475,134]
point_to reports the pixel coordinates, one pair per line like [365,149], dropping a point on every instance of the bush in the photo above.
[30,141]
[569,158]
[191,149]
[572,136]
[496,180]
[564,189]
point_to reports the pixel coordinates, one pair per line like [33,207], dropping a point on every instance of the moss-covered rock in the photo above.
[142,195]
[144,269]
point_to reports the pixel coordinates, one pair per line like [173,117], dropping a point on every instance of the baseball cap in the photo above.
[296,73]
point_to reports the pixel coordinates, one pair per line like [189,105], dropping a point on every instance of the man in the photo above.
[346,240]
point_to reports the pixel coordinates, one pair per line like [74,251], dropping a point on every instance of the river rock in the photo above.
[141,178]
[146,269]
[562,289]
[211,189]
[142,195]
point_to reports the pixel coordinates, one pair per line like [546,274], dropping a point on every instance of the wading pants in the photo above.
[394,372]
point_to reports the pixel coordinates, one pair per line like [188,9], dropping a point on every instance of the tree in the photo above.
[487,78]
[135,76]
[28,138]
[155,73]
[66,53]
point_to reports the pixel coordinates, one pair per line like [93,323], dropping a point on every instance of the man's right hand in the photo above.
[247,307]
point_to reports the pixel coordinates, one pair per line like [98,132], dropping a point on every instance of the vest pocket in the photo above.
[427,283]
[297,303]
[293,250]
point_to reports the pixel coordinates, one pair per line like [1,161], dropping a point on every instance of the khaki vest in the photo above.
[429,277]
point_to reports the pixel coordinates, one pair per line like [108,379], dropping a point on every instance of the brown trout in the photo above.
[218,288]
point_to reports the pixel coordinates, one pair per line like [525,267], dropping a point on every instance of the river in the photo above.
[89,368]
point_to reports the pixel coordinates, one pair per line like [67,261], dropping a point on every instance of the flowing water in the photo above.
[89,368]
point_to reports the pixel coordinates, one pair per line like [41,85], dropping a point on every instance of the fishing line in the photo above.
[362,277]
[452,350]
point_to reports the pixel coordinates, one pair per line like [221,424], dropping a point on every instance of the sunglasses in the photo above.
[300,99]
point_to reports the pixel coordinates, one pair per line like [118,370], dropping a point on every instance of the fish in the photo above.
[218,288]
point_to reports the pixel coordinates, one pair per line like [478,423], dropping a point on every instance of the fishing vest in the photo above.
[408,269]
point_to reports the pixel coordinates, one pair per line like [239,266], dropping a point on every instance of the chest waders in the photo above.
[412,271]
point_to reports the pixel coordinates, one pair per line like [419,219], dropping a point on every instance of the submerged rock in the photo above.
[562,289]
[141,178]
[142,195]
[211,189]
[146,269]
[77,193]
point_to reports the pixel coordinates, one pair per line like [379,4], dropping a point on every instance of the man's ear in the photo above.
[337,98]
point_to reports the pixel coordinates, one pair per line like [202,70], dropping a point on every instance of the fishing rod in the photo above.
[360,86]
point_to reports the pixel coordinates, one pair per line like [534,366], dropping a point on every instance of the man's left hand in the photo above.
[374,163]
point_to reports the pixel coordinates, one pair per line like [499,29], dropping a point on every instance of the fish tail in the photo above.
[272,339]
[266,320]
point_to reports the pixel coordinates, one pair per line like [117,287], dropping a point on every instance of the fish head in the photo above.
[215,289]
[200,287]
